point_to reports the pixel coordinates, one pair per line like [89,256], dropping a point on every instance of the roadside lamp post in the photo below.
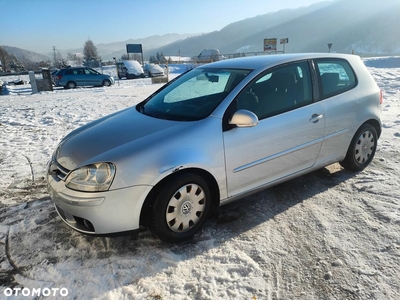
[115,61]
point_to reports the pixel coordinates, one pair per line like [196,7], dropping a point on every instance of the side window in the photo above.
[336,76]
[90,72]
[278,90]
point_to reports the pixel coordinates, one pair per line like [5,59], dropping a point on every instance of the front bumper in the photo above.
[100,213]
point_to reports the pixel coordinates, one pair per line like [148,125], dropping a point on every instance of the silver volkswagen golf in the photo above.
[213,135]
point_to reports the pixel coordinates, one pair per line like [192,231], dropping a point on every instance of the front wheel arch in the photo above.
[106,82]
[212,184]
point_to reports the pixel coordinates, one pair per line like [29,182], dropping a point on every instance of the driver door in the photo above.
[288,136]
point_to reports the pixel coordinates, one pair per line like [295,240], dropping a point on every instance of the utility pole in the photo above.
[55,59]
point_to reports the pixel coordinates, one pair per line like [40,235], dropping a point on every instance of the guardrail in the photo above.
[19,73]
[211,58]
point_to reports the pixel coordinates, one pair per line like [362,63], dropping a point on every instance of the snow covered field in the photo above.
[331,234]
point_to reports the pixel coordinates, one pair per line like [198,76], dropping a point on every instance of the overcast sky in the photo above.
[68,24]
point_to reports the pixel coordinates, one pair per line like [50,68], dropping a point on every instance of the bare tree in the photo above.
[77,59]
[90,54]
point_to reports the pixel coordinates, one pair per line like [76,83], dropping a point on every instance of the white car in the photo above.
[213,135]
[130,69]
[153,70]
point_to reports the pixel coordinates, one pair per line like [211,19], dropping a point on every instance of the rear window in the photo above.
[336,76]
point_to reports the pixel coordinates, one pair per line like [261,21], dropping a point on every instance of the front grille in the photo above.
[62,172]
[57,170]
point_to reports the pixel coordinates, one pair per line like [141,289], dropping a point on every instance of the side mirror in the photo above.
[244,118]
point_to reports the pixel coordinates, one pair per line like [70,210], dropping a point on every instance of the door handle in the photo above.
[315,118]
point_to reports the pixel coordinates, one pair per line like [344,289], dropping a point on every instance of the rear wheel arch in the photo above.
[376,125]
[71,84]
[362,147]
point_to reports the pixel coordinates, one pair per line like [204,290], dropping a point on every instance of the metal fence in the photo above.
[212,58]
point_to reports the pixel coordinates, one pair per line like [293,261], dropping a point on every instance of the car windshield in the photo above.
[194,95]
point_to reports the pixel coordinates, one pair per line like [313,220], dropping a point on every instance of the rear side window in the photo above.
[336,76]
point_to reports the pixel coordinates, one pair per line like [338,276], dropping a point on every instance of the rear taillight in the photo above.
[59,77]
[381,97]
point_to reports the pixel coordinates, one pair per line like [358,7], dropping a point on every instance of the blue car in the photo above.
[72,77]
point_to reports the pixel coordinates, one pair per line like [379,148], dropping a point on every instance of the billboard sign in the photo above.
[270,44]
[133,48]
[284,41]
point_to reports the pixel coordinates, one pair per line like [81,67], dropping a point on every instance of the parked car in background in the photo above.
[209,55]
[52,74]
[80,76]
[214,135]
[153,70]
[130,69]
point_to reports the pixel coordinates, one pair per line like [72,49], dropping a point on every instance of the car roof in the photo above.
[264,61]
[72,68]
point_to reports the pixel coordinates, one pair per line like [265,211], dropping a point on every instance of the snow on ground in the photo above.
[331,234]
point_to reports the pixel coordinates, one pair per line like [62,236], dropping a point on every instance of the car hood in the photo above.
[112,135]
[135,71]
[155,69]
[133,67]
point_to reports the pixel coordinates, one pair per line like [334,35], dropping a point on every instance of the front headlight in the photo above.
[91,178]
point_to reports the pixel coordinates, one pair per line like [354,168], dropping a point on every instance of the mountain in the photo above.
[106,51]
[117,49]
[25,55]
[368,27]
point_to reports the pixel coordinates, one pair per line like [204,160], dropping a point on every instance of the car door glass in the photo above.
[278,90]
[336,76]
[91,72]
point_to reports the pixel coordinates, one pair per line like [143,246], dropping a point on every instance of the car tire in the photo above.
[362,149]
[180,208]
[106,82]
[71,85]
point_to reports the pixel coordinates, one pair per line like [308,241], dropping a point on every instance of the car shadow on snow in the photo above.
[251,211]
[39,247]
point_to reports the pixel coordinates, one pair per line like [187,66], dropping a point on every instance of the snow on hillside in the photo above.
[331,234]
